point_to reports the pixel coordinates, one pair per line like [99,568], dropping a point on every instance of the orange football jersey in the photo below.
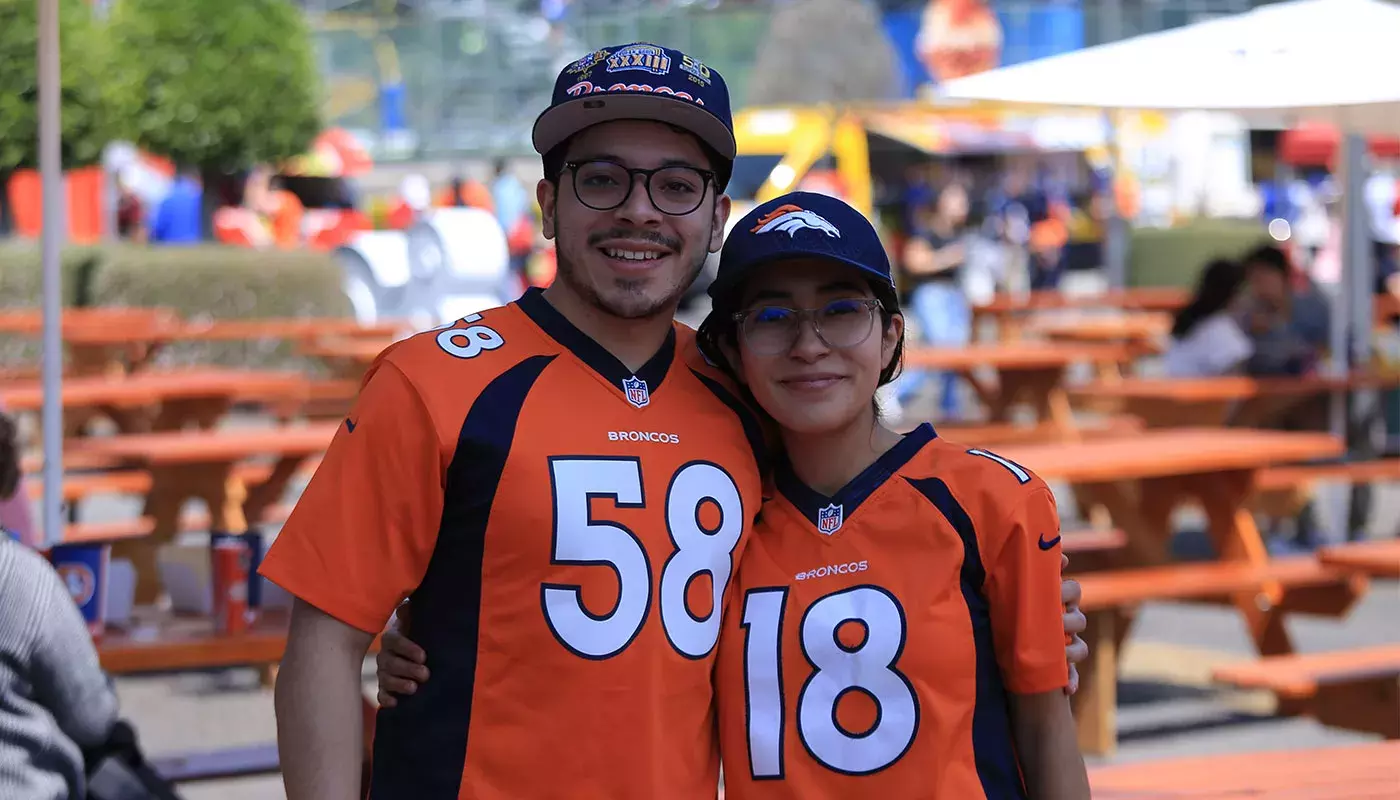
[872,636]
[567,530]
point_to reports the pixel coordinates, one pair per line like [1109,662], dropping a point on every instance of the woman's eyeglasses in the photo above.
[770,330]
[605,185]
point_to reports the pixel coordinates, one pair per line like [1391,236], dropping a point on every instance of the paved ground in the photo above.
[1167,707]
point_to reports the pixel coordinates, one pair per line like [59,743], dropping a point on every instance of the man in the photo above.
[561,484]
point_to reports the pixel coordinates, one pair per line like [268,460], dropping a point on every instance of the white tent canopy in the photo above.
[1330,60]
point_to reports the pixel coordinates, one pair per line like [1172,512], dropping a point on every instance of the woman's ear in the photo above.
[894,332]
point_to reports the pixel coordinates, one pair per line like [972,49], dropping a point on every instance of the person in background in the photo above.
[512,203]
[1206,338]
[467,192]
[55,701]
[16,517]
[178,217]
[1284,313]
[933,263]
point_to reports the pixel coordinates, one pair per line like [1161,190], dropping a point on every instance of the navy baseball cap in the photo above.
[638,81]
[800,225]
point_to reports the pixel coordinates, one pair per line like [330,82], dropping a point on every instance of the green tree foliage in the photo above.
[86,121]
[220,85]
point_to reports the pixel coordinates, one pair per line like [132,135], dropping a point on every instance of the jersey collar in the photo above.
[597,357]
[827,514]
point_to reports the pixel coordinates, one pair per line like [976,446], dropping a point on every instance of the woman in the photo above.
[55,702]
[1206,338]
[933,264]
[856,657]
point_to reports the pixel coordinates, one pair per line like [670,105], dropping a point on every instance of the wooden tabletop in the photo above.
[167,644]
[1168,452]
[1146,299]
[209,446]
[30,321]
[1378,559]
[149,386]
[297,328]
[1136,326]
[1369,771]
[1300,675]
[1230,387]
[1014,355]
[364,350]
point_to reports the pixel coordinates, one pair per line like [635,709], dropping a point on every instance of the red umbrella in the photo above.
[1317,144]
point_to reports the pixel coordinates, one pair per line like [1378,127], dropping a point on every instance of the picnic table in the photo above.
[1010,311]
[1029,372]
[1141,480]
[348,358]
[154,400]
[1348,772]
[203,465]
[1233,399]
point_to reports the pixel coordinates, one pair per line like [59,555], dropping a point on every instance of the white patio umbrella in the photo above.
[51,177]
[1334,61]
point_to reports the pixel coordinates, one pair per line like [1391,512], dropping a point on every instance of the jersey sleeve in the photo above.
[363,532]
[1023,592]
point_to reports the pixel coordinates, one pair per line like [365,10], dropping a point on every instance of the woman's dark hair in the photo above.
[1220,281]
[9,457]
[719,328]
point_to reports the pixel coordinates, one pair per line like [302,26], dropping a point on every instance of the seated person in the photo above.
[1206,339]
[55,701]
[1284,314]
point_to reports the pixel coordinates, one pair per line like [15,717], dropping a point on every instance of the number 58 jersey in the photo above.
[873,635]
[567,530]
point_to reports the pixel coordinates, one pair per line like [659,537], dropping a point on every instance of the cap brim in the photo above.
[562,121]
[723,285]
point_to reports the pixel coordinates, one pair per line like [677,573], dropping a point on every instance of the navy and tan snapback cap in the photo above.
[638,81]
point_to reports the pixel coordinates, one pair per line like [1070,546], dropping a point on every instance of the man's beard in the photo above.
[633,304]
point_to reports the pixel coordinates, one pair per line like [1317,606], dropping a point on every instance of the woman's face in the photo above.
[812,383]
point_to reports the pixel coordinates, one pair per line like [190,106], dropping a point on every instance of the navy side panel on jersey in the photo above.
[420,746]
[992,741]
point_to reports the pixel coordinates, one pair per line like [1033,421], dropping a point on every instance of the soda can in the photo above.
[230,584]
[83,569]
[254,541]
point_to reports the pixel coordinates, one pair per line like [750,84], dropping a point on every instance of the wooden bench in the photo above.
[1301,584]
[137,527]
[1283,491]
[992,434]
[1353,689]
[1376,559]
[134,481]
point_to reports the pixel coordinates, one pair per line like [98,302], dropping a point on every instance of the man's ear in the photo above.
[721,216]
[547,194]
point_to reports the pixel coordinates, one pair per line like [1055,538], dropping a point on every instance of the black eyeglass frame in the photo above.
[873,306]
[707,179]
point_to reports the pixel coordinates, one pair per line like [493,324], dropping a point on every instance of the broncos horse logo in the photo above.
[791,218]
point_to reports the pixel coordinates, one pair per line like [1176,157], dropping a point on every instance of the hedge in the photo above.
[1175,256]
[203,282]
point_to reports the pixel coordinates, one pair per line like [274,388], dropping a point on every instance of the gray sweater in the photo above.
[54,698]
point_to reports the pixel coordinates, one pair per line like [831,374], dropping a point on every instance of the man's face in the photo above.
[1267,285]
[633,261]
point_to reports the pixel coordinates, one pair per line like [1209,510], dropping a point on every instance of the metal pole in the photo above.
[51,170]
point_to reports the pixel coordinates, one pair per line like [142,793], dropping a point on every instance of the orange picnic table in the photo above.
[1142,480]
[348,358]
[1378,559]
[1169,402]
[1369,771]
[1011,312]
[202,465]
[1029,372]
[158,399]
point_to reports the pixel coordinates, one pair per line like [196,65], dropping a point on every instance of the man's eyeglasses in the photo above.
[605,185]
[770,330]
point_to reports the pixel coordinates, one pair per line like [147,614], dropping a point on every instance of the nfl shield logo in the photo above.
[636,390]
[829,519]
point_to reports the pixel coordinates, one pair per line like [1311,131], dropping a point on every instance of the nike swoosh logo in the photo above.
[1044,545]
[349,425]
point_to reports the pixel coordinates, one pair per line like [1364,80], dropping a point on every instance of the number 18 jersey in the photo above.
[873,635]
[567,529]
